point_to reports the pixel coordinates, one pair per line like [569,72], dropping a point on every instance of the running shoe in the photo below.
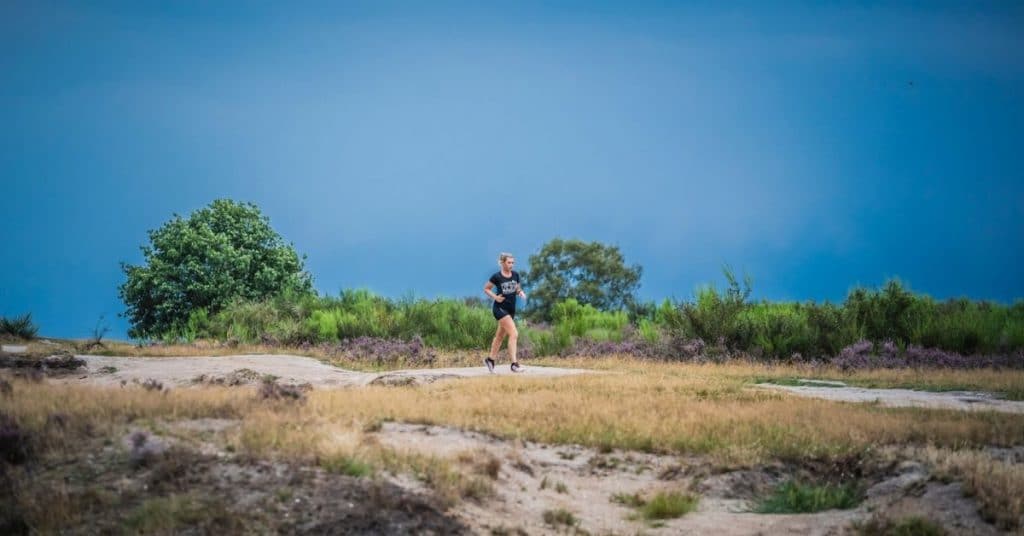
[516,368]
[490,364]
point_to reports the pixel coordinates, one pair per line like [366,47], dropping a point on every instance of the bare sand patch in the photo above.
[961,400]
[112,370]
[536,477]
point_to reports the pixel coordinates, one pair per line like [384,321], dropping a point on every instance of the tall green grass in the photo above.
[296,319]
[572,319]
[720,317]
[801,498]
[891,313]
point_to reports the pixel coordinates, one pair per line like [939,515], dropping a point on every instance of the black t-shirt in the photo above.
[507,286]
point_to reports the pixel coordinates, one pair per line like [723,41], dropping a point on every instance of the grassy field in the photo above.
[686,409]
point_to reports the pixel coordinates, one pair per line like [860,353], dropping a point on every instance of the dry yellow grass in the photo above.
[997,485]
[33,403]
[673,408]
[1009,382]
[695,414]
[295,432]
[199,348]
[646,406]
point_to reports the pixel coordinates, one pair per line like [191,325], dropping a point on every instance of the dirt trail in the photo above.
[107,370]
[961,400]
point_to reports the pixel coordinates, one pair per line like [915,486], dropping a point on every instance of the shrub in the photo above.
[713,315]
[888,314]
[778,330]
[444,323]
[223,252]
[20,327]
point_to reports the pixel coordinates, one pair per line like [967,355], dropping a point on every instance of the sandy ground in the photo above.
[288,369]
[536,477]
[299,370]
[962,400]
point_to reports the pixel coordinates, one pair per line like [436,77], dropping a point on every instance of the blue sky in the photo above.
[401,146]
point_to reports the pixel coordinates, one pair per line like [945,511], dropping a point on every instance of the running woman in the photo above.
[506,281]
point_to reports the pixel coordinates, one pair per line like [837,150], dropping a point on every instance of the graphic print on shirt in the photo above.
[508,287]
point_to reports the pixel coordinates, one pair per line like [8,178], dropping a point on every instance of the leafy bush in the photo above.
[889,314]
[649,331]
[714,316]
[589,272]
[578,319]
[970,327]
[778,330]
[221,253]
[245,321]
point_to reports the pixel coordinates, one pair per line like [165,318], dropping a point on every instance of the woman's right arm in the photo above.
[492,295]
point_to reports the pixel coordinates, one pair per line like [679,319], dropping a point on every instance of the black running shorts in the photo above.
[501,312]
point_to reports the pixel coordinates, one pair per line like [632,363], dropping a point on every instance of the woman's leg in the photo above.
[496,343]
[508,325]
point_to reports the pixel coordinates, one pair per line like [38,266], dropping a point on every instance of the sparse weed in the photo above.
[667,505]
[346,465]
[560,517]
[793,497]
[175,512]
[910,526]
[632,500]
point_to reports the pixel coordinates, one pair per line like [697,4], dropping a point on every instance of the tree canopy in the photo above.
[590,272]
[220,253]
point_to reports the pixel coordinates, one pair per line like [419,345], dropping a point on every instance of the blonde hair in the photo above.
[502,256]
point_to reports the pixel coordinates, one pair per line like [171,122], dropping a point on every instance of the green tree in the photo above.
[220,253]
[590,272]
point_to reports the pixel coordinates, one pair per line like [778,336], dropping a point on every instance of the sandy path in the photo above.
[288,368]
[962,400]
[180,371]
